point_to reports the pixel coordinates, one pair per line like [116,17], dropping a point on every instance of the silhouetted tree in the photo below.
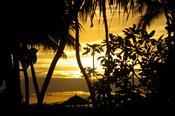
[137,66]
[62,34]
[150,10]
[37,24]
[94,48]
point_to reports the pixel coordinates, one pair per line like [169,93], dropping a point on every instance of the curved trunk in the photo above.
[51,70]
[77,45]
[56,57]
[26,79]
[35,83]
[106,32]
[107,43]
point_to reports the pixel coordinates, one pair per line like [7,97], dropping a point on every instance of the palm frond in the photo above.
[154,10]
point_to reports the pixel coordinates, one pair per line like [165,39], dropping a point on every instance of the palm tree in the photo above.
[92,94]
[94,48]
[35,27]
[149,10]
[26,78]
[65,38]
[35,83]
[76,7]
[87,8]
[50,71]
[57,39]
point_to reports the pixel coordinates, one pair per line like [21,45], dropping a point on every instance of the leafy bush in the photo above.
[134,67]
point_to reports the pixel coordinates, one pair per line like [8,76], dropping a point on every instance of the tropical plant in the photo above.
[137,65]
[88,8]
[44,25]
[94,48]
[63,39]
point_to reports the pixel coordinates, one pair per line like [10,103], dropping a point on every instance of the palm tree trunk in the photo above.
[107,41]
[57,56]
[77,45]
[35,83]
[6,98]
[26,78]
[106,31]
[14,82]
[51,70]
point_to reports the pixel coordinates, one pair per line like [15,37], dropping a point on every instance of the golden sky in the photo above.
[68,68]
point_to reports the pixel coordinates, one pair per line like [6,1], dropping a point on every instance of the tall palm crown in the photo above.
[33,22]
[149,9]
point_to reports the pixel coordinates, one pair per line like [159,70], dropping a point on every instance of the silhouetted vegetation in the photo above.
[137,71]
[45,24]
[138,68]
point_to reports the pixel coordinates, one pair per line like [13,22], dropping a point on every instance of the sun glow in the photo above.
[67,79]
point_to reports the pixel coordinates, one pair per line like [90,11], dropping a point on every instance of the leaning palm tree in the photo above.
[85,8]
[51,70]
[148,9]
[92,94]
[88,8]
[64,38]
[76,8]
[35,27]
[56,38]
